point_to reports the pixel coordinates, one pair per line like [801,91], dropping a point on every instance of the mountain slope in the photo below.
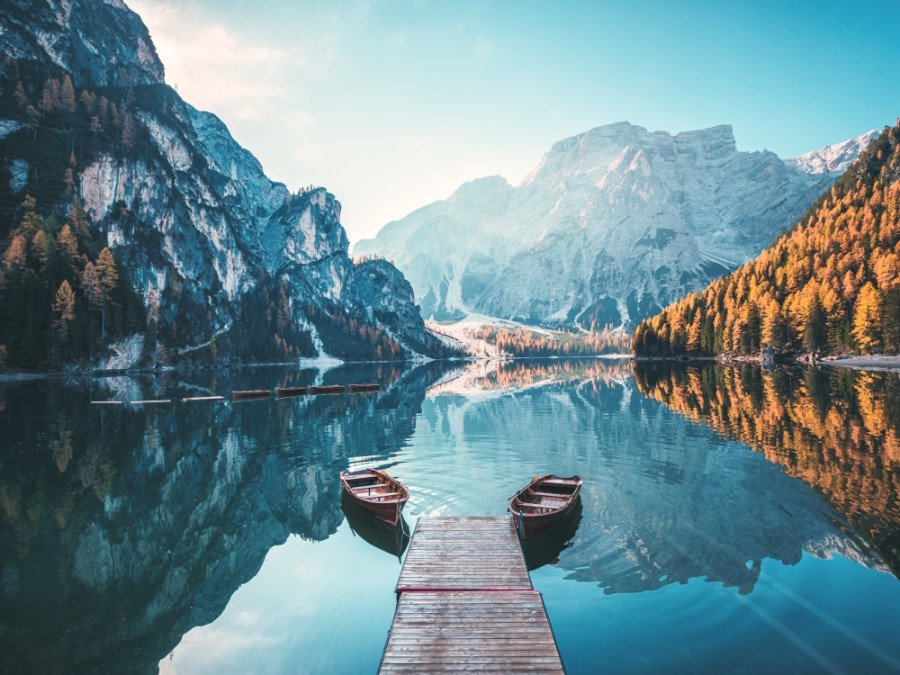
[611,226]
[831,282]
[211,259]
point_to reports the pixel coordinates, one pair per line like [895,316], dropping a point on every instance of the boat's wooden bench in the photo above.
[382,494]
[555,495]
[535,507]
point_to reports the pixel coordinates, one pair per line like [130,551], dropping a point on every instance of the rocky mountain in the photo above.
[223,261]
[829,284]
[610,227]
[833,158]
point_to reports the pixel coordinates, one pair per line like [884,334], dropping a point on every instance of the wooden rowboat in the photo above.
[543,502]
[247,394]
[363,387]
[381,495]
[282,392]
[327,389]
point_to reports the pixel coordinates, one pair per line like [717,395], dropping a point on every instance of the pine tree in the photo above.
[867,320]
[63,310]
[891,323]
[67,250]
[90,284]
[107,277]
[815,331]
[67,95]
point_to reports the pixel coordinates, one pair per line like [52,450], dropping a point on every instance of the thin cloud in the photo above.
[215,68]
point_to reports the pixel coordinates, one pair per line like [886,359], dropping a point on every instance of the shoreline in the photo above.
[878,362]
[865,362]
[869,362]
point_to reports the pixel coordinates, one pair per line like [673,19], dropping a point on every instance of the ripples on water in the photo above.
[729,516]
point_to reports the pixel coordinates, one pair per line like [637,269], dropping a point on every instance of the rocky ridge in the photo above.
[610,227]
[217,250]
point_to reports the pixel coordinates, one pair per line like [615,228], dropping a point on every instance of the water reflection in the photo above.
[545,547]
[121,527]
[837,430]
[392,539]
[665,500]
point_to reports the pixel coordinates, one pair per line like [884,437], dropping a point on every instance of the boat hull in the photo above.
[375,491]
[392,539]
[544,502]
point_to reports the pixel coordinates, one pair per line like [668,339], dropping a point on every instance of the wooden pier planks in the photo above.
[465,553]
[466,603]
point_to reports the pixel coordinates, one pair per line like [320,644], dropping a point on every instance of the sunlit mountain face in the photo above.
[610,227]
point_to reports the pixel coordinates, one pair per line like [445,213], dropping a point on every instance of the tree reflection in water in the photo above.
[123,526]
[838,430]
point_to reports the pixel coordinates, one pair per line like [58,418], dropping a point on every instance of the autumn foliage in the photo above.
[838,430]
[832,282]
[520,341]
[60,299]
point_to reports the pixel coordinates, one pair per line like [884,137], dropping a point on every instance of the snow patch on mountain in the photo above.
[833,157]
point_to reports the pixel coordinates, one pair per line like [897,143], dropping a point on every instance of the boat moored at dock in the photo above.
[543,502]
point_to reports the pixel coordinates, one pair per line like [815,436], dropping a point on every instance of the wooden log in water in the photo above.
[249,394]
[369,386]
[327,389]
[284,392]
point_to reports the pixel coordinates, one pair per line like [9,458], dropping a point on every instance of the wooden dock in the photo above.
[465,602]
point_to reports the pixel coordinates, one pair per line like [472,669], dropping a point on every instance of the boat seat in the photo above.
[382,494]
[529,505]
[557,495]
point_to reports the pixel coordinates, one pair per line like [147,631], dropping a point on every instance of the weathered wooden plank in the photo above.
[467,552]
[483,639]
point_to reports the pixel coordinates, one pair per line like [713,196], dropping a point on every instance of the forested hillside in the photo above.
[831,283]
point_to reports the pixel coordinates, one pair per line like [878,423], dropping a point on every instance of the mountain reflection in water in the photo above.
[122,528]
[837,430]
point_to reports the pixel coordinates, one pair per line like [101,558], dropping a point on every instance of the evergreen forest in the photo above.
[830,284]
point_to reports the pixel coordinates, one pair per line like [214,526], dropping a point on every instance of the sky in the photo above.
[393,104]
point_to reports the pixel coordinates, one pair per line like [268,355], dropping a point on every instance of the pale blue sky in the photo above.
[392,104]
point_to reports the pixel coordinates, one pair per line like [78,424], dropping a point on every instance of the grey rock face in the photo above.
[610,227]
[99,42]
[203,234]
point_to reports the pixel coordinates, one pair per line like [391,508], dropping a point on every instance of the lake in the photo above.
[733,519]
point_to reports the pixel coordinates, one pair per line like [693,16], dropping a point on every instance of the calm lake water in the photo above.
[733,520]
